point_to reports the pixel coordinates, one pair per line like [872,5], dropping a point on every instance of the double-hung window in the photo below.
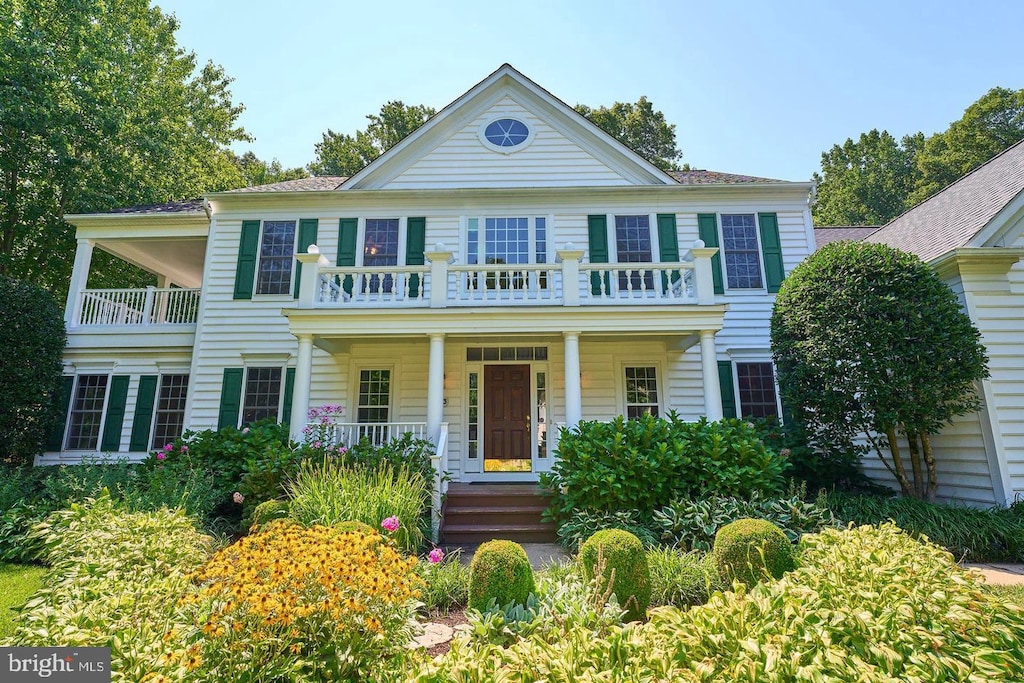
[87,402]
[499,241]
[262,394]
[641,391]
[741,251]
[380,248]
[633,245]
[756,384]
[373,404]
[276,258]
[170,409]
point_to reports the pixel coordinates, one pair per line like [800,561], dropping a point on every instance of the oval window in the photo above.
[506,132]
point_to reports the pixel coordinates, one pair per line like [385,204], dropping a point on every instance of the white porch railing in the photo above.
[373,286]
[439,461]
[509,284]
[348,434]
[149,306]
[653,283]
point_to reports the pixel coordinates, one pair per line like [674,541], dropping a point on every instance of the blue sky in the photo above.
[753,87]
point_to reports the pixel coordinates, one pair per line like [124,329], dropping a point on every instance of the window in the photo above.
[641,391]
[506,132]
[633,245]
[87,412]
[756,382]
[741,252]
[277,254]
[380,248]
[508,240]
[170,409]
[474,414]
[262,394]
[374,403]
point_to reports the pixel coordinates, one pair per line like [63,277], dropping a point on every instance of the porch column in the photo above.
[573,394]
[709,367]
[435,386]
[79,277]
[300,390]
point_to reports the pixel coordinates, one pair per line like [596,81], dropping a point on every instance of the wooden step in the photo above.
[476,513]
[472,534]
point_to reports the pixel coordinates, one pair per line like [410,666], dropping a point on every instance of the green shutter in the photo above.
[114,420]
[143,414]
[415,244]
[55,441]
[307,236]
[707,226]
[668,245]
[230,398]
[728,391]
[289,391]
[347,229]
[771,249]
[245,270]
[597,227]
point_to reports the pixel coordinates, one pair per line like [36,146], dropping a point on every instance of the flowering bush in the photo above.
[319,432]
[314,601]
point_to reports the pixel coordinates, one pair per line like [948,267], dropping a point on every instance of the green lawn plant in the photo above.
[682,579]
[618,559]
[445,583]
[499,574]
[17,584]
[582,524]
[750,550]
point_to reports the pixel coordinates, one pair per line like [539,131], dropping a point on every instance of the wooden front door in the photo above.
[507,418]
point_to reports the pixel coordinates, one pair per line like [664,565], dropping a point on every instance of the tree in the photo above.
[31,352]
[866,182]
[255,171]
[641,128]
[344,155]
[100,108]
[868,340]
[987,127]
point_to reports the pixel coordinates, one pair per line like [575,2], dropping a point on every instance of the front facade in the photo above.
[506,270]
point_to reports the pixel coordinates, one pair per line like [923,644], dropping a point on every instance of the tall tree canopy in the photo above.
[873,180]
[641,128]
[344,154]
[255,171]
[99,108]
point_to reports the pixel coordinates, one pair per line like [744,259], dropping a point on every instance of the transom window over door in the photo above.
[641,391]
[87,412]
[742,254]
[277,252]
[633,245]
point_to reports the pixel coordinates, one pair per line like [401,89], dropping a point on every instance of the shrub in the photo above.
[692,524]
[499,574]
[328,493]
[445,584]
[269,510]
[353,525]
[643,464]
[583,524]
[971,534]
[618,558]
[681,579]
[748,549]
[312,602]
[817,464]
[404,452]
[32,341]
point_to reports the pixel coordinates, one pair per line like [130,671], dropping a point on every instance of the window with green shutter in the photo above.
[415,245]
[230,398]
[245,268]
[307,237]
[707,227]
[145,399]
[597,233]
[289,393]
[55,441]
[114,420]
[347,234]
[727,387]
[668,244]
[771,249]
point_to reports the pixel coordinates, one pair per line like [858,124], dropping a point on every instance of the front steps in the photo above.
[476,513]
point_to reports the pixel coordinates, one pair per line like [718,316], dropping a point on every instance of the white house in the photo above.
[505,269]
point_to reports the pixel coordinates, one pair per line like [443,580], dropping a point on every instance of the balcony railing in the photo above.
[565,283]
[149,306]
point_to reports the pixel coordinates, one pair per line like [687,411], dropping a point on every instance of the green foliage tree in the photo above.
[99,108]
[344,155]
[868,339]
[641,128]
[256,171]
[31,349]
[866,182]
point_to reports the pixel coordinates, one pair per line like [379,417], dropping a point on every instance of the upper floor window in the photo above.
[741,253]
[86,412]
[380,248]
[277,251]
[262,394]
[506,240]
[756,384]
[633,245]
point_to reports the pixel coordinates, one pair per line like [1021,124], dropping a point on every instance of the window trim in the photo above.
[531,134]
[760,254]
[103,412]
[613,243]
[403,232]
[184,409]
[532,217]
[635,362]
[283,367]
[370,367]
[374,363]
[754,359]
[259,260]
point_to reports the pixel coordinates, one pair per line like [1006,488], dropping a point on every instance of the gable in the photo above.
[563,149]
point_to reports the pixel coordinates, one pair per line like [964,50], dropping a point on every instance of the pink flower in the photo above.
[161,456]
[245,431]
[435,556]
[238,498]
[184,449]
[317,444]
[391,524]
[168,447]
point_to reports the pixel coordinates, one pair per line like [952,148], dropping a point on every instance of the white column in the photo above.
[703,273]
[300,390]
[309,280]
[79,277]
[709,367]
[573,393]
[438,259]
[435,386]
[570,259]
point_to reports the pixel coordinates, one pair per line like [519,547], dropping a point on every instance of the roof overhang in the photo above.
[976,260]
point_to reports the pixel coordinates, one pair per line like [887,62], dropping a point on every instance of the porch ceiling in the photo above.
[180,259]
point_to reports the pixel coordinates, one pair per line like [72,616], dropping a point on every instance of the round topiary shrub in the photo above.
[619,558]
[268,510]
[748,549]
[499,571]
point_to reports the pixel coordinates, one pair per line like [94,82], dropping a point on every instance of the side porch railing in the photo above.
[148,306]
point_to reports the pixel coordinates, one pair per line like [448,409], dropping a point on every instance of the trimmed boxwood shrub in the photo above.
[620,558]
[500,572]
[643,464]
[747,549]
[269,510]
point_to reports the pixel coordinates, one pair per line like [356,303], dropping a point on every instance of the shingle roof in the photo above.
[188,206]
[704,177]
[951,217]
[315,184]
[825,234]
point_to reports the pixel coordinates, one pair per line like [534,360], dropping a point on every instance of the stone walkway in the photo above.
[999,574]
